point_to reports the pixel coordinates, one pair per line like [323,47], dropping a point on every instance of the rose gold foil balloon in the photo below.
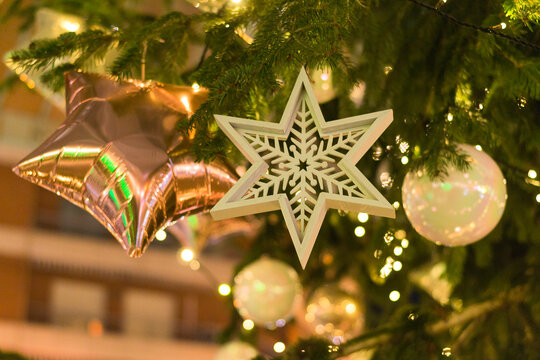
[460,209]
[118,156]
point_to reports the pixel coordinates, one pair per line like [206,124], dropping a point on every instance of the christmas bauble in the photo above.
[334,313]
[322,85]
[461,208]
[266,291]
[236,350]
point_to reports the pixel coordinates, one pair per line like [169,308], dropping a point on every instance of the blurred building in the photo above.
[67,288]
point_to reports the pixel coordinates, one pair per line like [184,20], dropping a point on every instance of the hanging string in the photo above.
[475,27]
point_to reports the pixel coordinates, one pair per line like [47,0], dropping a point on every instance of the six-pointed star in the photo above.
[303,165]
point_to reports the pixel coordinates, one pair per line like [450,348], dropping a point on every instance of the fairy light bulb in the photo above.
[248,324]
[503,25]
[70,25]
[279,347]
[359,231]
[161,235]
[186,254]
[363,217]
[394,295]
[224,289]
[532,174]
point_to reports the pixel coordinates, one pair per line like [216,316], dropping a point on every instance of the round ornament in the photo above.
[266,291]
[334,313]
[236,350]
[461,208]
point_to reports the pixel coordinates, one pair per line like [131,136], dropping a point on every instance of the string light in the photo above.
[224,289]
[398,250]
[503,25]
[404,160]
[161,235]
[449,117]
[363,217]
[360,231]
[447,352]
[186,254]
[538,198]
[396,205]
[478,147]
[248,324]
[532,174]
[279,347]
[394,295]
[404,243]
[397,266]
[196,87]
[194,265]
[70,26]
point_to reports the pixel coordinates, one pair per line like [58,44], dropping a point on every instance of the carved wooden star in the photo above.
[303,165]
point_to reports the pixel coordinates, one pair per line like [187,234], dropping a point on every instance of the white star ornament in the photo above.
[303,165]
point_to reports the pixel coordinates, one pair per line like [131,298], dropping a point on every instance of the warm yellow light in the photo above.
[400,234]
[363,217]
[70,26]
[532,174]
[186,254]
[447,352]
[194,265]
[538,198]
[350,308]
[184,99]
[224,289]
[398,250]
[404,160]
[396,205]
[359,231]
[394,295]
[279,347]
[478,147]
[236,1]
[325,76]
[404,243]
[248,324]
[503,25]
[196,87]
[449,117]
[161,235]
[397,266]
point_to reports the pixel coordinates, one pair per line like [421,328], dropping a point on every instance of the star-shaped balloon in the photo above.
[118,156]
[304,165]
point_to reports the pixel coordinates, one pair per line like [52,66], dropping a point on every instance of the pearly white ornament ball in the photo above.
[461,208]
[236,350]
[266,291]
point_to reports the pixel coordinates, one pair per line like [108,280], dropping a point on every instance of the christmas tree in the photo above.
[455,273]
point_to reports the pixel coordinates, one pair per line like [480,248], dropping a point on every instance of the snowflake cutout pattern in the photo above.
[303,165]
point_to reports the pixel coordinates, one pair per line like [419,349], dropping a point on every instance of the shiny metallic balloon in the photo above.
[460,209]
[118,156]
[266,291]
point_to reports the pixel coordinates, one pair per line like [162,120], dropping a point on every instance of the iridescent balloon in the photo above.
[333,313]
[119,157]
[460,209]
[236,350]
[267,291]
